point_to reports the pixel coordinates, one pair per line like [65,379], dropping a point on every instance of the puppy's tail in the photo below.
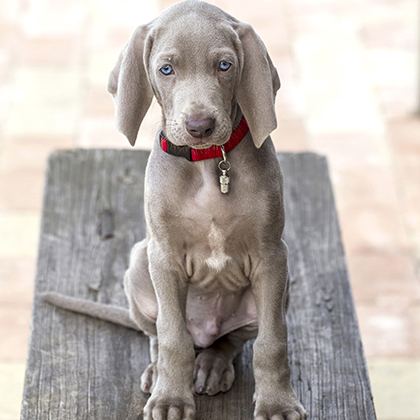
[110,313]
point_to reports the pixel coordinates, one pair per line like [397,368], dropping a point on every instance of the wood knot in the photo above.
[106,225]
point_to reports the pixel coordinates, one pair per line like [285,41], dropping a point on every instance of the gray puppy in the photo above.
[212,270]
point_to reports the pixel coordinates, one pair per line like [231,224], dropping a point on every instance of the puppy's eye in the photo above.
[224,66]
[166,70]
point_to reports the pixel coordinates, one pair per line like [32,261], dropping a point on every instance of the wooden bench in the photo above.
[83,368]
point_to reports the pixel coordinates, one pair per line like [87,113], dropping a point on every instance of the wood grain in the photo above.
[83,368]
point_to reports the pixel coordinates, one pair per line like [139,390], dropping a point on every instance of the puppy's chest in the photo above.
[217,257]
[214,232]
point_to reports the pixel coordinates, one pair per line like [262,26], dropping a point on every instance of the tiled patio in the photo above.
[348,69]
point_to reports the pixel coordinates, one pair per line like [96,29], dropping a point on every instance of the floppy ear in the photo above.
[258,86]
[129,85]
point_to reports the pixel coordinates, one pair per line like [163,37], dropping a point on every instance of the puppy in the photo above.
[212,270]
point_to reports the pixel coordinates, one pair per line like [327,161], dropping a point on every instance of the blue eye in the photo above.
[166,70]
[224,65]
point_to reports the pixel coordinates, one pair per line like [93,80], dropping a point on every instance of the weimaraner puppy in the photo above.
[212,271]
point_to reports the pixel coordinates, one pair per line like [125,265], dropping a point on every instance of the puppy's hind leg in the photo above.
[141,296]
[140,291]
[149,376]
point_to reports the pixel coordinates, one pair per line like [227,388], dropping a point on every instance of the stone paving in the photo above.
[349,91]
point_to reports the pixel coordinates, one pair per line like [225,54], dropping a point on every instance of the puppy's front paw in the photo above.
[213,373]
[169,408]
[286,408]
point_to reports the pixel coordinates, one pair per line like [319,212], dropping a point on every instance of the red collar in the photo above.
[211,152]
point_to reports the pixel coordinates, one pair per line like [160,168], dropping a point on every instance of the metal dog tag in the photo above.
[224,182]
[224,166]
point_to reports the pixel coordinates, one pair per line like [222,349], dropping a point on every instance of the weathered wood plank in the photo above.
[328,365]
[82,368]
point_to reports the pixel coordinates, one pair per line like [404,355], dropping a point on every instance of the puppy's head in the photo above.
[200,63]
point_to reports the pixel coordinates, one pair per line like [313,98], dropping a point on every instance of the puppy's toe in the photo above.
[293,415]
[288,409]
[174,413]
[169,408]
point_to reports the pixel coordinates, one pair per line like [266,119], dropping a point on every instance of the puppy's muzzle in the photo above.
[200,127]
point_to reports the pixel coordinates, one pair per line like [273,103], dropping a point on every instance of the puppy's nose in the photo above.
[200,127]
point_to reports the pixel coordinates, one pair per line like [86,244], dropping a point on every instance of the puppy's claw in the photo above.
[209,391]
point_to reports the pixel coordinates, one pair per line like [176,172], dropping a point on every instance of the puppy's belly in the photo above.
[211,315]
[219,297]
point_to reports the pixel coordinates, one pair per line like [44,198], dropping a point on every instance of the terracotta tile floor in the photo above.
[349,91]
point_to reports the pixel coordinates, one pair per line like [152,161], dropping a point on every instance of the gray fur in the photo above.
[212,270]
[110,313]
